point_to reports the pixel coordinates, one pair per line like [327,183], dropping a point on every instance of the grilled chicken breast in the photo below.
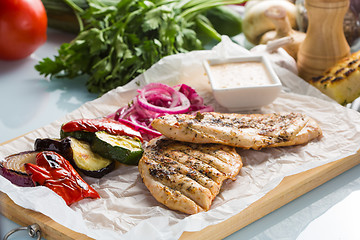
[247,131]
[184,176]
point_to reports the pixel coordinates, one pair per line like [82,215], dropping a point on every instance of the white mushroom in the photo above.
[255,23]
[283,29]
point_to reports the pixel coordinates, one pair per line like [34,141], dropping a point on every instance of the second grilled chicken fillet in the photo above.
[187,177]
[254,131]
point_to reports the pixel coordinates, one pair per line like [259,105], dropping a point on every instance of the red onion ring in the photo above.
[174,108]
[155,100]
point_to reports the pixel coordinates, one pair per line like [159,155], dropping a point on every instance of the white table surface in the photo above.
[28,102]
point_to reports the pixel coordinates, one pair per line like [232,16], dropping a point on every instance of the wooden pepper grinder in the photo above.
[325,42]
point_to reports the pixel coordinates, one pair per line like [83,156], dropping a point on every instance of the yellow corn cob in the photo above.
[342,81]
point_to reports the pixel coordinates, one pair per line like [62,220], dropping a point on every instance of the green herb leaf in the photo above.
[119,40]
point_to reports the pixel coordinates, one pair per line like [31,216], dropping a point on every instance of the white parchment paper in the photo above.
[126,209]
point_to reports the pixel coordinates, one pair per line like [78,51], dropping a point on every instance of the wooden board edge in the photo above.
[13,139]
[290,188]
[50,229]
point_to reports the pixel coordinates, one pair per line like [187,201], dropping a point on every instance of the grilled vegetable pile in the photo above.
[87,146]
[118,41]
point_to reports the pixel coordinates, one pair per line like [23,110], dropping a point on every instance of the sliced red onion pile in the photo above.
[155,100]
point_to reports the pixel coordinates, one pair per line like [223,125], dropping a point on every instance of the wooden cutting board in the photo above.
[289,189]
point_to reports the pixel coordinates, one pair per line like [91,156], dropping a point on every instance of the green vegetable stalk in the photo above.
[118,40]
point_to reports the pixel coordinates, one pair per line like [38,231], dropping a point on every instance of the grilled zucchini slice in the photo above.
[121,148]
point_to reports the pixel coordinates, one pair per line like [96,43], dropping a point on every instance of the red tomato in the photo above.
[23,26]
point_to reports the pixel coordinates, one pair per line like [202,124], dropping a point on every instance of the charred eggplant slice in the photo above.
[79,153]
[63,146]
[121,148]
[13,168]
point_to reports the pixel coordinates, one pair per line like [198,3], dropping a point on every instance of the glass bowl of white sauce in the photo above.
[243,83]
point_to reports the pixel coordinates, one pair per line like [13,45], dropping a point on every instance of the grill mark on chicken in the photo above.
[181,181]
[239,130]
[228,157]
[197,164]
[220,158]
[171,164]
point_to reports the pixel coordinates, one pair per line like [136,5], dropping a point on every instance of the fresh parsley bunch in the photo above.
[119,41]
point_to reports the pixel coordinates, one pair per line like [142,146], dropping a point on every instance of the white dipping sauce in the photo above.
[239,74]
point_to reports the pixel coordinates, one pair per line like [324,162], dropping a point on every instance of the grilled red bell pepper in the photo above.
[104,124]
[56,173]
